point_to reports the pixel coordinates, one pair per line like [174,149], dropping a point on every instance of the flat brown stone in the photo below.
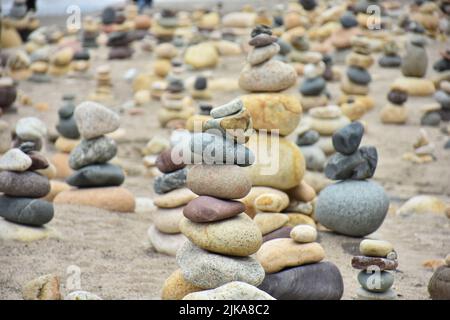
[208,209]
[363,262]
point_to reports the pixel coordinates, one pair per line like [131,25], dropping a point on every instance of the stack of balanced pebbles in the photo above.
[315,158]
[423,149]
[222,237]
[174,105]
[22,185]
[414,68]
[313,88]
[97,180]
[435,113]
[262,73]
[376,260]
[164,234]
[354,206]
[295,270]
[395,112]
[69,137]
[390,58]
[357,79]
[103,91]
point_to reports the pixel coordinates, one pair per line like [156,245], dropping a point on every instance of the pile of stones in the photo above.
[341,39]
[262,73]
[165,25]
[22,186]
[313,88]
[200,90]
[174,105]
[354,206]
[295,270]
[119,42]
[221,236]
[376,260]
[40,66]
[395,112]
[443,64]
[69,136]
[104,87]
[90,33]
[164,234]
[97,180]
[423,150]
[357,79]
[80,63]
[390,57]
[315,158]
[435,113]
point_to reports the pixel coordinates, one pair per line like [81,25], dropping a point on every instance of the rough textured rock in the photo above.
[176,287]
[43,288]
[95,120]
[271,76]
[94,151]
[24,184]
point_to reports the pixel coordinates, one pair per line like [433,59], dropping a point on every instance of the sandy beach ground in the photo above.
[112,250]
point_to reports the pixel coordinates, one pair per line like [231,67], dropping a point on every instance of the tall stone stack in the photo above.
[377,262]
[354,206]
[119,42]
[395,112]
[90,33]
[164,234]
[356,82]
[221,236]
[22,187]
[295,269]
[175,104]
[69,137]
[104,87]
[98,181]
[313,87]
[434,114]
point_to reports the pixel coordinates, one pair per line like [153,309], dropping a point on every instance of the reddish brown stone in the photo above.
[283,232]
[38,161]
[363,262]
[166,162]
[208,209]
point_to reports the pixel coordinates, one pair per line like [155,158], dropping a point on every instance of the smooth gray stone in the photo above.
[312,87]
[432,119]
[94,151]
[227,109]
[170,181]
[347,139]
[97,175]
[211,270]
[307,138]
[314,156]
[359,75]
[24,184]
[318,281]
[363,294]
[214,149]
[443,99]
[34,212]
[68,128]
[353,207]
[390,61]
[415,61]
[375,281]
[348,20]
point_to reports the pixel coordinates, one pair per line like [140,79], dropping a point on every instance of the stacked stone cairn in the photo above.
[414,68]
[295,270]
[18,65]
[164,234]
[390,57]
[119,42]
[165,25]
[222,237]
[377,262]
[200,90]
[21,182]
[104,87]
[97,180]
[60,62]
[423,150]
[395,112]
[262,73]
[80,63]
[435,113]
[69,136]
[356,82]
[313,88]
[175,106]
[40,66]
[354,206]
[90,33]
[315,158]
[439,284]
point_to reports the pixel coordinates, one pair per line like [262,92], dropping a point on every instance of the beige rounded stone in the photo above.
[391,114]
[237,236]
[349,87]
[375,248]
[175,198]
[414,86]
[66,145]
[203,55]
[271,202]
[167,220]
[279,165]
[327,127]
[49,172]
[176,287]
[162,67]
[359,60]
[304,233]
[303,192]
[296,219]
[273,111]
[422,204]
[268,222]
[278,254]
[255,192]
[56,187]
